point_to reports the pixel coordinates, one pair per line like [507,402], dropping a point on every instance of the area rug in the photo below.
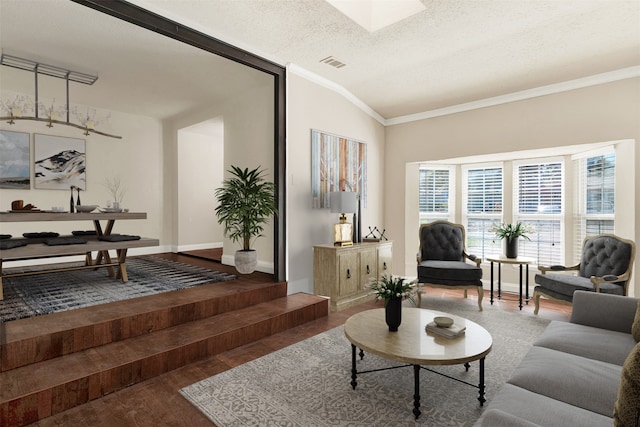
[307,384]
[28,296]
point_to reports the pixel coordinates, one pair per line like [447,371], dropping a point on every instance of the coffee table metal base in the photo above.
[416,378]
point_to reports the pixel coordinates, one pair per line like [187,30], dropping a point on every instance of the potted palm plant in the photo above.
[246,202]
[511,233]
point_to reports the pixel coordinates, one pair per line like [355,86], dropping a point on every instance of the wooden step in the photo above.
[33,392]
[40,338]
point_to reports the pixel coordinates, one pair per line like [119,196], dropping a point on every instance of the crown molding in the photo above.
[597,79]
[296,69]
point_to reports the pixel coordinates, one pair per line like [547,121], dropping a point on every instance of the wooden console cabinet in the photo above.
[343,273]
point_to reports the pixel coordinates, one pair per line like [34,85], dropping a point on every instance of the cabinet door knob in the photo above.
[368,270]
[384,264]
[348,273]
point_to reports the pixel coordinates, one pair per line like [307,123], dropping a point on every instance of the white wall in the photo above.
[312,106]
[136,159]
[200,171]
[607,112]
[247,138]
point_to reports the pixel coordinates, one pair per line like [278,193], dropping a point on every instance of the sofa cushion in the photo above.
[566,284]
[612,312]
[635,329]
[449,272]
[542,410]
[578,381]
[586,341]
[498,418]
[627,407]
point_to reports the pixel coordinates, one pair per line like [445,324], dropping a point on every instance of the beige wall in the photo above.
[136,159]
[200,170]
[147,161]
[608,112]
[248,142]
[313,106]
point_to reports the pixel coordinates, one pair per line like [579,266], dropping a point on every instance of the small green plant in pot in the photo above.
[246,202]
[511,233]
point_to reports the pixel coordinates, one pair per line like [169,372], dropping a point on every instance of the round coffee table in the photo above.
[412,345]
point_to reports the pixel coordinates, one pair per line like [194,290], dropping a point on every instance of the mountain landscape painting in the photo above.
[14,160]
[59,162]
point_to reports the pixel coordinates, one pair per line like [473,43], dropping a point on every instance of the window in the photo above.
[436,193]
[595,207]
[539,202]
[482,207]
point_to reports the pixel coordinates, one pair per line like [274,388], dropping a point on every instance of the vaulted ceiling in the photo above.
[454,52]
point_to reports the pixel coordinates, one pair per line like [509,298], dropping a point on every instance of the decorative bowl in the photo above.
[443,322]
[86,208]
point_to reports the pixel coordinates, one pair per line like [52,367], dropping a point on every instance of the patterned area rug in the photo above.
[307,384]
[29,296]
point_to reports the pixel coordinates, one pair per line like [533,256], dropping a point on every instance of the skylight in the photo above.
[374,15]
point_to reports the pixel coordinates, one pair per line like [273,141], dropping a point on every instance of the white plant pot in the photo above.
[246,261]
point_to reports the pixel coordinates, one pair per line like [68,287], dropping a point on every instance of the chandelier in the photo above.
[24,108]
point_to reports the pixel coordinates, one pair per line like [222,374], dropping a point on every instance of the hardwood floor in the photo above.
[157,402]
[214,254]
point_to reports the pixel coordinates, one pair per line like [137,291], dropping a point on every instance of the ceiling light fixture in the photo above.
[374,15]
[21,105]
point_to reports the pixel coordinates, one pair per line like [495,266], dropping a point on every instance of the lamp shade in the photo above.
[343,201]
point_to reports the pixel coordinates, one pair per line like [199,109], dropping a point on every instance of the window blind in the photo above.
[539,203]
[435,193]
[482,208]
[540,188]
[595,207]
[484,191]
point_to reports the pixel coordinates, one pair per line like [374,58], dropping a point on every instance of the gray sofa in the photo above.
[571,375]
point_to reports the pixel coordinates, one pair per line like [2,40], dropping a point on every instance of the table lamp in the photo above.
[343,202]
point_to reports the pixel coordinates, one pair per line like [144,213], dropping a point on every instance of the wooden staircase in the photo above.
[51,363]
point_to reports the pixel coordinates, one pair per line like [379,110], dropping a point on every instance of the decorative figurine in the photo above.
[371,237]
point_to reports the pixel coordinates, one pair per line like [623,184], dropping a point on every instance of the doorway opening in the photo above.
[200,166]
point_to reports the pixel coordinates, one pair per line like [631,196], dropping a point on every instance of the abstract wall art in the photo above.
[14,160]
[59,162]
[337,164]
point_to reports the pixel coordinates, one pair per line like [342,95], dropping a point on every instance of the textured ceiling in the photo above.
[454,52]
[139,71]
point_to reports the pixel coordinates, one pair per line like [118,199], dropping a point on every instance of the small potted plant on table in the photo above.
[511,233]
